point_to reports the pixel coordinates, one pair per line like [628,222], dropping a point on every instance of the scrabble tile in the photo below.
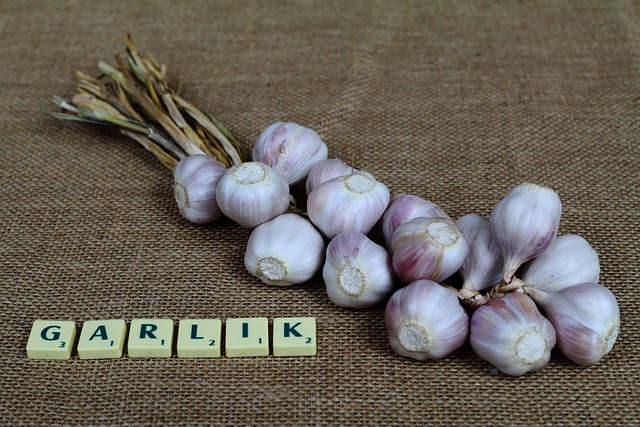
[150,338]
[102,339]
[247,337]
[294,336]
[51,339]
[199,337]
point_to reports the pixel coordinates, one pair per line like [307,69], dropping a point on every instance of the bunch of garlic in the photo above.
[560,274]
[507,329]
[508,264]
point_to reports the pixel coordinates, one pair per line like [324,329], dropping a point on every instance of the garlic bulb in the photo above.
[525,223]
[403,208]
[568,261]
[586,317]
[357,272]
[284,251]
[252,193]
[195,180]
[425,321]
[325,170]
[482,267]
[427,248]
[290,150]
[353,202]
[512,335]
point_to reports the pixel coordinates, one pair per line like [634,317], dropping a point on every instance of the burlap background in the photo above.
[455,101]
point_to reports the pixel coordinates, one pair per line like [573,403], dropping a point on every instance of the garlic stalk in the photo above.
[289,149]
[135,96]
[427,248]
[482,267]
[325,170]
[357,272]
[353,202]
[512,335]
[425,321]
[403,208]
[252,193]
[568,261]
[586,317]
[284,251]
[524,224]
[195,180]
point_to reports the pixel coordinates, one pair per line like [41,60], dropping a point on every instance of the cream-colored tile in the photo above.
[102,339]
[199,337]
[247,337]
[51,339]
[294,336]
[150,338]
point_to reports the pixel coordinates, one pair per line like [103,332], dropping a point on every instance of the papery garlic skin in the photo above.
[285,251]
[357,272]
[568,261]
[195,180]
[403,208]
[252,193]
[482,267]
[289,149]
[427,248]
[512,335]
[586,317]
[352,202]
[425,321]
[325,170]
[524,224]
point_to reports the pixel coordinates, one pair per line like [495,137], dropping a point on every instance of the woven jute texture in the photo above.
[454,101]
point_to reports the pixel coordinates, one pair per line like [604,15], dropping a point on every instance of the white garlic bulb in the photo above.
[482,267]
[586,317]
[427,248]
[512,335]
[325,170]
[290,150]
[425,321]
[284,251]
[252,193]
[524,224]
[568,261]
[195,180]
[353,202]
[357,272]
[403,208]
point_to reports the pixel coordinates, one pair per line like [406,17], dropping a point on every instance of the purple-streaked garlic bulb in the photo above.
[568,261]
[427,248]
[352,202]
[357,272]
[586,317]
[289,149]
[512,335]
[425,321]
[195,181]
[284,251]
[482,267]
[252,193]
[403,208]
[524,224]
[325,170]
